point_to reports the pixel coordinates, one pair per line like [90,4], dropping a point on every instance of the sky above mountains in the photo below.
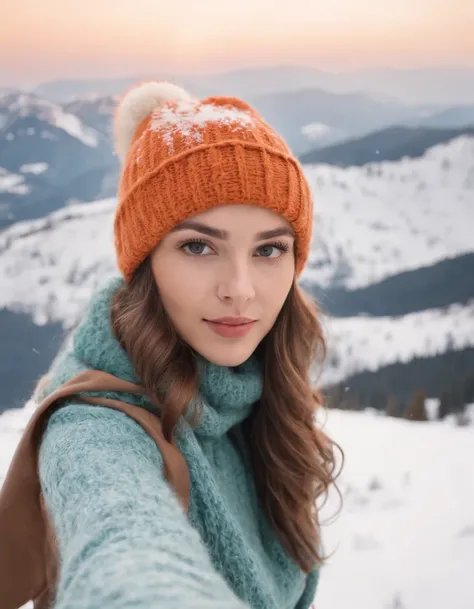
[86,38]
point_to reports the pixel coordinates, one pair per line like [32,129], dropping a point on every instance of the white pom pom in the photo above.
[137,104]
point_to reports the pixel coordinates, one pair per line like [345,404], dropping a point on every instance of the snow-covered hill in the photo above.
[405,536]
[49,267]
[376,221]
[370,343]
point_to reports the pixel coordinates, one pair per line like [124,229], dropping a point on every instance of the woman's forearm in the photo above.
[124,540]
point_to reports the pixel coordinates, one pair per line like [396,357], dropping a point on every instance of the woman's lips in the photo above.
[231,327]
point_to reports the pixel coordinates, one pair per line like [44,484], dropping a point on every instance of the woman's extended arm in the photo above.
[123,537]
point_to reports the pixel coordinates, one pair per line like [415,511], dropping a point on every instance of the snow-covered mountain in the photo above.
[370,223]
[389,144]
[95,111]
[66,158]
[23,105]
[405,536]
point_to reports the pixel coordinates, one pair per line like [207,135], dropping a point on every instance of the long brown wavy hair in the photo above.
[293,461]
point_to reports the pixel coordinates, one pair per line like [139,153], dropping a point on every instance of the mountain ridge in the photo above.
[439,85]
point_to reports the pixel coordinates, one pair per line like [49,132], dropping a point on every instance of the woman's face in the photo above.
[223,277]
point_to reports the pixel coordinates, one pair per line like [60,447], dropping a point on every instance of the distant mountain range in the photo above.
[451,117]
[311,118]
[391,262]
[438,85]
[390,144]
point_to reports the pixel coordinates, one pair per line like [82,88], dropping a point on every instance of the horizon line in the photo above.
[235,70]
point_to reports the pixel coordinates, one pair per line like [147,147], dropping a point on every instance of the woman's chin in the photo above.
[228,355]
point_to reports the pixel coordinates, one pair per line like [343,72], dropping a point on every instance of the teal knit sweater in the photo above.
[124,539]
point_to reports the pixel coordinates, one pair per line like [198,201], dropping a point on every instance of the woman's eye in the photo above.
[196,248]
[269,251]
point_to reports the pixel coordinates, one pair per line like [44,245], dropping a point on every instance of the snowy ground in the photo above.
[405,536]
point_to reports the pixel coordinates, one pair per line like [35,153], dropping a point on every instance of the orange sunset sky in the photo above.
[49,39]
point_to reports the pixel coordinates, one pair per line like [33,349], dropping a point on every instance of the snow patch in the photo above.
[73,126]
[316,131]
[188,119]
[34,168]
[12,183]
[47,135]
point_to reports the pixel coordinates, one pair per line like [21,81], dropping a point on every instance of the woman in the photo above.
[212,229]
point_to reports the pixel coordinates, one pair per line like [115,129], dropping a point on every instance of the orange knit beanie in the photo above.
[183,156]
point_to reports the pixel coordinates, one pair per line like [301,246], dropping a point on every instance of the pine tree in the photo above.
[416,411]
[391,409]
[444,406]
[469,388]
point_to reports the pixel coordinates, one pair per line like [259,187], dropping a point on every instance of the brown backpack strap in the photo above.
[93,381]
[24,572]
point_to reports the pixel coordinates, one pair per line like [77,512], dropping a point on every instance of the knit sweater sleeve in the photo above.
[123,538]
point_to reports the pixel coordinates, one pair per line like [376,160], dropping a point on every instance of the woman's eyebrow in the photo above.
[276,232]
[222,234]
[202,228]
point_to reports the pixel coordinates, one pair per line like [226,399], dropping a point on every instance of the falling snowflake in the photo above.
[189,119]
